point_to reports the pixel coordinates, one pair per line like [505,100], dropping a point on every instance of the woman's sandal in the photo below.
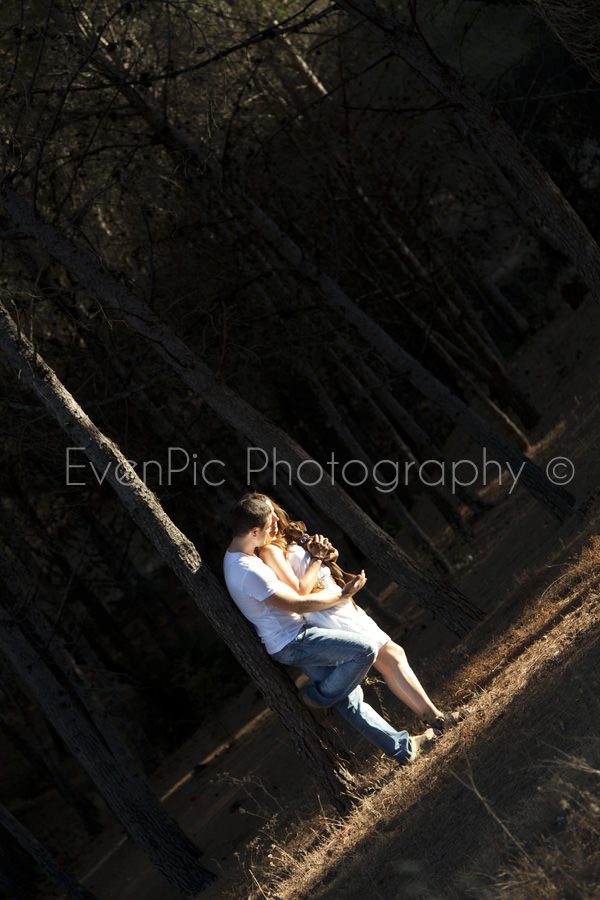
[448,719]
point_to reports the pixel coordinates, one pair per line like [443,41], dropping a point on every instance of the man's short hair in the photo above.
[248,513]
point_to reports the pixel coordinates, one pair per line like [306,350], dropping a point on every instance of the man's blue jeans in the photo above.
[336,662]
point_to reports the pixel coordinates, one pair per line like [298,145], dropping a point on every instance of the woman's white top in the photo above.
[344,616]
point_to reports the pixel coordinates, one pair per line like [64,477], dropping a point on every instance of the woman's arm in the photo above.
[274,557]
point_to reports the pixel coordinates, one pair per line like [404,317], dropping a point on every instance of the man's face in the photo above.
[265,534]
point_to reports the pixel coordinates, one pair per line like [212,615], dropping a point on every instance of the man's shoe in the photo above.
[323,714]
[308,701]
[421,743]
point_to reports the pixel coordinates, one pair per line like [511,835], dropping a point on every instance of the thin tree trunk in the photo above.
[441,283]
[422,442]
[577,26]
[529,185]
[556,498]
[445,601]
[41,856]
[160,837]
[79,802]
[437,497]
[446,351]
[356,448]
[181,555]
[11,570]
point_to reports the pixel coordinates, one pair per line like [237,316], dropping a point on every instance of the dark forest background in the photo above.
[324,203]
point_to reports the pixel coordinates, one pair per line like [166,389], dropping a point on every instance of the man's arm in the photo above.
[288,599]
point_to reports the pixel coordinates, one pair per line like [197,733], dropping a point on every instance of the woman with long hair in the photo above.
[310,563]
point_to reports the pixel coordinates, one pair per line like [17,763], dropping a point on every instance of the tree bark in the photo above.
[41,856]
[556,498]
[79,802]
[181,555]
[445,601]
[160,837]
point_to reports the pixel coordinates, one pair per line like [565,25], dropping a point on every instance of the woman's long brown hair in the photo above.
[291,532]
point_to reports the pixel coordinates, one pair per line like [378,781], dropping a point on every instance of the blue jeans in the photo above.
[336,662]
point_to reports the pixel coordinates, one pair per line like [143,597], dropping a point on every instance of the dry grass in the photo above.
[475,817]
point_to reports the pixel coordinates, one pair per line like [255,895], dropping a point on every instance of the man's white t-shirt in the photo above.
[250,582]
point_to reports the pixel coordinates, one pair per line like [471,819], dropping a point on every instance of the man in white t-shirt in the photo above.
[336,661]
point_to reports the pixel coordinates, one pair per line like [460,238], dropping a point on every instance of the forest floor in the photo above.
[504,804]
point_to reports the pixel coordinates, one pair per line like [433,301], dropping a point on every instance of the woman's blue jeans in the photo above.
[336,662]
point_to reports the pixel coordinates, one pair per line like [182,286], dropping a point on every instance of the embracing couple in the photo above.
[288,584]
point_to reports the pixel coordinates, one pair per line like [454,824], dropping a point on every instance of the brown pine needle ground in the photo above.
[499,806]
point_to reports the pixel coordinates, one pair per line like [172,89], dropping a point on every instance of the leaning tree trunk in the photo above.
[577,25]
[422,442]
[438,496]
[446,352]
[338,422]
[176,857]
[556,498]
[442,283]
[525,181]
[444,601]
[12,572]
[23,743]
[181,555]
[41,856]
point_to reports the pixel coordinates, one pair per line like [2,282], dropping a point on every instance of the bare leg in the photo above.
[392,663]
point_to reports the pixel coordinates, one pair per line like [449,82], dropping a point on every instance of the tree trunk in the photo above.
[39,761]
[336,419]
[438,497]
[556,498]
[422,442]
[440,283]
[559,500]
[181,555]
[446,351]
[137,809]
[577,26]
[41,856]
[527,182]
[446,602]
[11,571]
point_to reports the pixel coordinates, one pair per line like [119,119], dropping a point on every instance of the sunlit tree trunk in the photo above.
[181,555]
[444,601]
